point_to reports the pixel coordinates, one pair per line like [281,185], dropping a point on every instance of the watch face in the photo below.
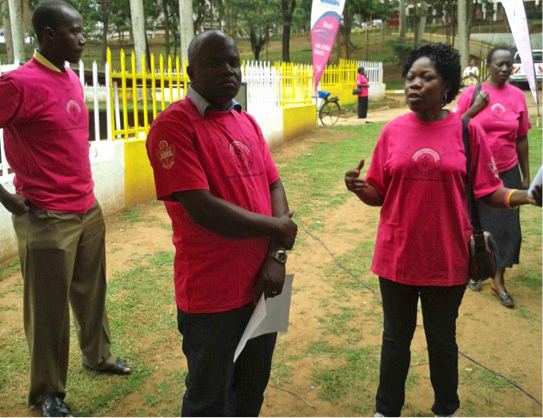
[281,256]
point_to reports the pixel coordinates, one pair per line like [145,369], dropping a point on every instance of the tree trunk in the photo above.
[104,5]
[166,25]
[15,17]
[384,30]
[287,8]
[403,20]
[421,27]
[186,27]
[257,42]
[463,41]
[7,30]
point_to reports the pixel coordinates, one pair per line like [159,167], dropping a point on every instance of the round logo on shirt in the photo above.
[241,154]
[498,110]
[425,162]
[166,154]
[73,112]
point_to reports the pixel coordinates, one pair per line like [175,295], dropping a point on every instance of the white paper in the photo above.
[270,315]
[538,180]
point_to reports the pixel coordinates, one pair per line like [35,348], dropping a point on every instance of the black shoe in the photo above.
[474,285]
[54,407]
[504,297]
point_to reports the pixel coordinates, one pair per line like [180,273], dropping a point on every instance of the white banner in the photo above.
[516,15]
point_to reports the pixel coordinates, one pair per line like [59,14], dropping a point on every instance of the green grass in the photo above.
[9,269]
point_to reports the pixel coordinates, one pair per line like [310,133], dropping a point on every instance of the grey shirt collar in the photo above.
[202,104]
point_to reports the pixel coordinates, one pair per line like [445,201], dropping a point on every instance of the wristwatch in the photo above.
[280,256]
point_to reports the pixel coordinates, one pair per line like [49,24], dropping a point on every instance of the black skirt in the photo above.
[504,224]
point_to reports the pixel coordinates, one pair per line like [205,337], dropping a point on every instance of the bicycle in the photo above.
[330,108]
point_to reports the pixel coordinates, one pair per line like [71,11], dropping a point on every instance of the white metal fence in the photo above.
[374,71]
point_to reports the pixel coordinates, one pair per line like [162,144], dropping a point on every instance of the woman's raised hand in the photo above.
[352,181]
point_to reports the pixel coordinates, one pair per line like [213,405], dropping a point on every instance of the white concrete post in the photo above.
[138,29]
[186,27]
[463,42]
[16,20]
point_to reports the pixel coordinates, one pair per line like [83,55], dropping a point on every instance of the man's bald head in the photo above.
[50,13]
[201,38]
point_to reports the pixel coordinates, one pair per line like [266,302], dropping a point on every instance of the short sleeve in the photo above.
[462,105]
[377,175]
[524,120]
[174,159]
[486,179]
[269,165]
[10,111]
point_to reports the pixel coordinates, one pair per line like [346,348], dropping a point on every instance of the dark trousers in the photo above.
[362,107]
[439,311]
[215,385]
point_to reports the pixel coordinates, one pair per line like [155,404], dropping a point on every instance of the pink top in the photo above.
[46,137]
[504,120]
[419,168]
[226,154]
[360,80]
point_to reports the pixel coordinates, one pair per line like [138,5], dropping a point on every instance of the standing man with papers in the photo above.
[231,229]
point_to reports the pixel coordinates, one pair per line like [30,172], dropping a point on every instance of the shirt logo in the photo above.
[498,110]
[425,162]
[241,154]
[166,154]
[73,112]
[493,168]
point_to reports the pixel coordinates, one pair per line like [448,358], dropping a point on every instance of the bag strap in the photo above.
[475,94]
[472,202]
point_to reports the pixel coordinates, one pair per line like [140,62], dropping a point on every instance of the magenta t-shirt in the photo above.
[419,168]
[504,119]
[360,79]
[46,137]
[226,154]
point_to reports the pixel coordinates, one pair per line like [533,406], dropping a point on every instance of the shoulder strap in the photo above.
[473,207]
[476,93]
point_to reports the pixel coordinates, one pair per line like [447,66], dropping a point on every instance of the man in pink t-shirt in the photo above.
[231,229]
[58,223]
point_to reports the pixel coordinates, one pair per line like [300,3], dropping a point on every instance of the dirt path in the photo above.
[332,311]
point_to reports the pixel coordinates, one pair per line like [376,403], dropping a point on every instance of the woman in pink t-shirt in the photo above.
[417,175]
[501,110]
[363,85]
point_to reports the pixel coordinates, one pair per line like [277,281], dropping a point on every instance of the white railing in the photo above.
[263,86]
[374,71]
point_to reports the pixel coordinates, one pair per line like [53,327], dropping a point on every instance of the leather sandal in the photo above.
[119,368]
[504,297]
[54,407]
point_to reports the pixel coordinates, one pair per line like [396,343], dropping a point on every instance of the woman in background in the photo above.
[501,110]
[362,83]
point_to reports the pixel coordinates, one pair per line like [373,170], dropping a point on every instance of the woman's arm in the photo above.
[522,154]
[365,192]
[508,198]
[481,101]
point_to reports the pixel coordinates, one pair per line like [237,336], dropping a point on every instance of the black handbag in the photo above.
[357,91]
[482,246]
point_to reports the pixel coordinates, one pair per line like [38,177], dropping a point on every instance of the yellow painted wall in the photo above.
[298,120]
[345,94]
[139,183]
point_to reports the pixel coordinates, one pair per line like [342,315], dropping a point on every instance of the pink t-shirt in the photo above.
[46,137]
[504,119]
[226,154]
[360,80]
[419,168]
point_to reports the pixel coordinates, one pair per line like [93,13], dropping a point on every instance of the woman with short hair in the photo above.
[418,176]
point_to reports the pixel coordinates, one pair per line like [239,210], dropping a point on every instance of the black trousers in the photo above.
[215,385]
[439,310]
[362,107]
